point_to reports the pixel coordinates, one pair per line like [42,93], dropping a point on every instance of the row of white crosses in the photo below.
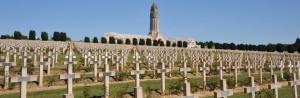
[75,75]
[95,63]
[163,71]
[205,69]
[24,76]
[41,64]
[6,65]
[138,90]
[70,75]
[106,74]
[186,85]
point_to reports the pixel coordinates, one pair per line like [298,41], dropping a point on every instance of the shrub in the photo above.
[11,86]
[30,69]
[122,76]
[287,76]
[87,92]
[52,79]
[77,68]
[89,68]
[195,86]
[243,81]
[176,87]
[230,82]
[175,73]
[212,83]
[264,93]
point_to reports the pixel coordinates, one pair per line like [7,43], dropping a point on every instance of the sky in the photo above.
[224,21]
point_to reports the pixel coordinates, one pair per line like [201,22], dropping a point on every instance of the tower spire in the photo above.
[154,23]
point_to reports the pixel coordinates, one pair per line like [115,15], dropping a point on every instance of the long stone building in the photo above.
[154,33]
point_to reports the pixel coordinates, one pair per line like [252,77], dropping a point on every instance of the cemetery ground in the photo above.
[45,69]
[151,87]
[121,85]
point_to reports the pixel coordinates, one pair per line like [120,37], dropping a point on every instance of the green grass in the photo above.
[117,89]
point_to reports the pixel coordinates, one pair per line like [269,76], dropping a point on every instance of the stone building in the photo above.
[154,33]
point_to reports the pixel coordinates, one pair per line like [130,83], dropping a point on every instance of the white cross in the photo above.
[294,83]
[6,65]
[70,74]
[138,90]
[204,69]
[252,89]
[224,91]
[163,71]
[274,85]
[24,77]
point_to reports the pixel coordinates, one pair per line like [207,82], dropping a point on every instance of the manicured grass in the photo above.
[117,89]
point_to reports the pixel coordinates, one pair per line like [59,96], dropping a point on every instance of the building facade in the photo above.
[154,33]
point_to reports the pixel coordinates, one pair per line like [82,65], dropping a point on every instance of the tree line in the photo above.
[57,36]
[291,48]
[136,41]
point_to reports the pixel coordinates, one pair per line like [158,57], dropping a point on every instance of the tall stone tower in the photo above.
[154,23]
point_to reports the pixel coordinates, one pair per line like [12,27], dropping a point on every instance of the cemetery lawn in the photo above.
[121,88]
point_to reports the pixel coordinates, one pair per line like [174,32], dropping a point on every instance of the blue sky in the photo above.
[237,21]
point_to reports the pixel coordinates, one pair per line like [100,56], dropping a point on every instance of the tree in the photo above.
[103,40]
[210,44]
[161,43]
[63,36]
[232,46]
[148,42]
[32,35]
[44,36]
[155,42]
[24,37]
[297,43]
[298,49]
[142,42]
[17,35]
[174,45]
[112,40]
[280,47]
[179,43]
[120,41]
[134,41]
[262,48]
[218,46]
[185,44]
[128,42]
[87,39]
[6,37]
[290,49]
[168,44]
[270,48]
[69,39]
[95,40]
[226,46]
[56,36]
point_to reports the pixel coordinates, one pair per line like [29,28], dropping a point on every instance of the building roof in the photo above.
[117,35]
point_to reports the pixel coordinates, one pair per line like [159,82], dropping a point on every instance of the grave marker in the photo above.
[138,91]
[70,74]
[6,65]
[224,93]
[163,71]
[274,85]
[41,67]
[294,83]
[252,89]
[106,75]
[24,77]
